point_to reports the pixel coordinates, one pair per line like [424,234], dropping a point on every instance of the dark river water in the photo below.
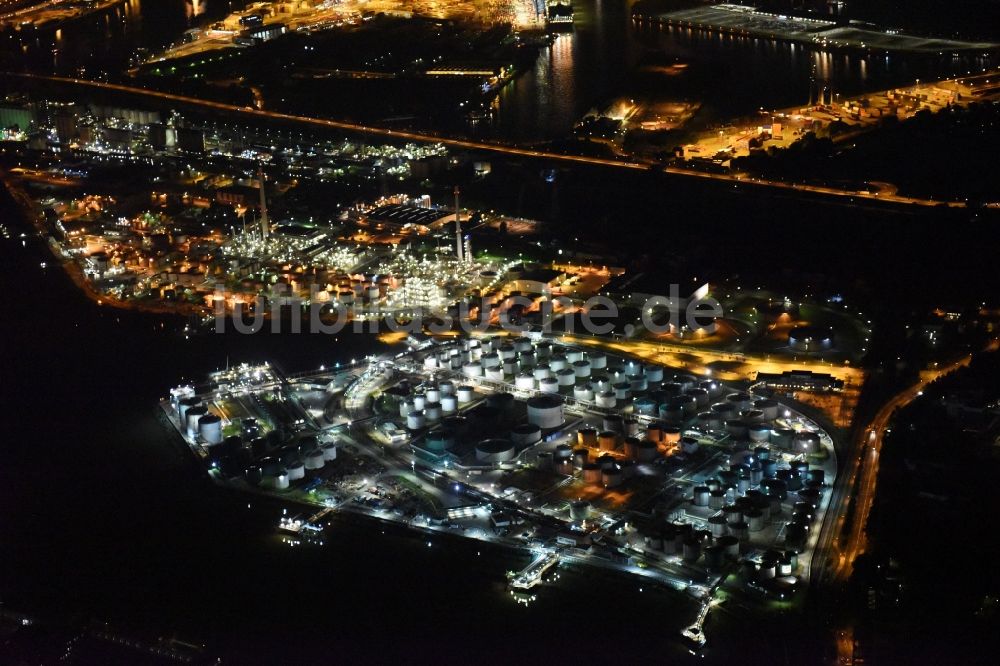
[606,56]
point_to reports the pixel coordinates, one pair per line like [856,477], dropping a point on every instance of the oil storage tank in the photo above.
[314,460]
[645,406]
[606,399]
[646,451]
[611,476]
[210,428]
[329,450]
[526,434]
[767,407]
[494,450]
[807,442]
[440,440]
[192,416]
[545,411]
[548,385]
[587,437]
[717,525]
[579,510]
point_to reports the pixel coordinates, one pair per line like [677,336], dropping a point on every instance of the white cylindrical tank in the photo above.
[600,383]
[276,481]
[606,399]
[541,371]
[494,450]
[432,395]
[185,404]
[192,415]
[581,368]
[432,412]
[210,429]
[574,355]
[491,360]
[645,406]
[525,434]
[548,385]
[654,373]
[314,460]
[449,404]
[598,360]
[545,411]
[566,377]
[446,387]
[494,374]
[419,401]
[329,450]
[583,393]
[623,391]
[405,407]
[465,394]
[759,432]
[415,420]
[717,525]
[806,441]
[768,407]
[557,363]
[524,382]
[296,470]
[701,495]
[742,401]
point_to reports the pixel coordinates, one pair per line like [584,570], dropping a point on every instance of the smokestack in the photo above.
[264,227]
[458,229]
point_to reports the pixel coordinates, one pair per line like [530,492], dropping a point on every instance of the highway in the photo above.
[834,556]
[465,144]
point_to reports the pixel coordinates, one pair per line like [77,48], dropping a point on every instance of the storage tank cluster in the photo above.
[429,404]
[715,547]
[586,376]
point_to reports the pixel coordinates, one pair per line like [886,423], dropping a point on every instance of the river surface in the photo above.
[605,57]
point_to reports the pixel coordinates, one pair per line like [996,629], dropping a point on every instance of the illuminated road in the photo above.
[466,144]
[864,460]
[721,365]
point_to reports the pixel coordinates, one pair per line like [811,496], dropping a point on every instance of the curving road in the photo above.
[468,144]
[835,553]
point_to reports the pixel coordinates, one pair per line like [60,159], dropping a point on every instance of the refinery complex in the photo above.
[399,331]
[570,453]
